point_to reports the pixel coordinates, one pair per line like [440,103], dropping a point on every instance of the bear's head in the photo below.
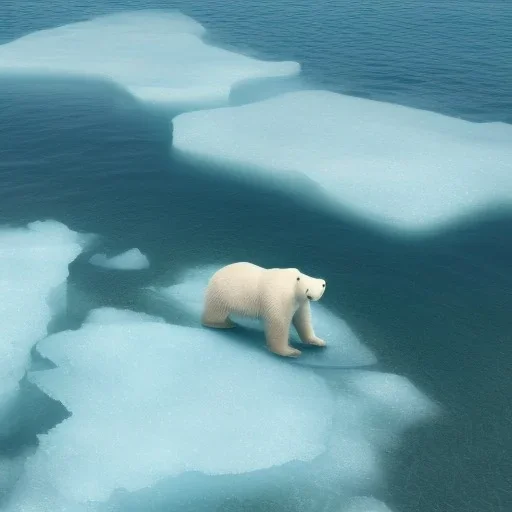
[307,287]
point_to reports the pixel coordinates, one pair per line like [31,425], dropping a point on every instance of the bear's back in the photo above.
[239,286]
[251,290]
[242,273]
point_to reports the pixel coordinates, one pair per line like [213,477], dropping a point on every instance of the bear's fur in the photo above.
[279,296]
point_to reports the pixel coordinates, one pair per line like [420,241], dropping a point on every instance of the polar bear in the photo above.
[279,296]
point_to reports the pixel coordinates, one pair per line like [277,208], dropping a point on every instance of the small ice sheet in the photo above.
[344,349]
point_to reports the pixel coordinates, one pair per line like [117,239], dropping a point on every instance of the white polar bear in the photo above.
[279,296]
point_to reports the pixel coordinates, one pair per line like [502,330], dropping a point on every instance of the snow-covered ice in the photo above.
[158,56]
[33,267]
[191,417]
[109,315]
[344,349]
[151,400]
[396,166]
[132,259]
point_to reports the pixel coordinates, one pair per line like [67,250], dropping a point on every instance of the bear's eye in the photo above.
[298,278]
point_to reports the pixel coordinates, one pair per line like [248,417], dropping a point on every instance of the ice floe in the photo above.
[398,167]
[189,418]
[132,259]
[152,400]
[158,56]
[33,270]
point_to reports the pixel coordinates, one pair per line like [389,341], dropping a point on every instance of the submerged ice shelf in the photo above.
[238,422]
[158,56]
[396,166]
[33,266]
[344,348]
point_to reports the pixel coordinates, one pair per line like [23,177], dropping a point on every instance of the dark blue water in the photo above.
[436,310]
[450,56]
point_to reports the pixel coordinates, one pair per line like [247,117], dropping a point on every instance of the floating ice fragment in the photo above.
[392,165]
[159,56]
[132,259]
[150,400]
[33,268]
[185,417]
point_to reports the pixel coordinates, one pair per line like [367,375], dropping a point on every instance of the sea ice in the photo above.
[132,259]
[33,267]
[151,400]
[344,348]
[396,166]
[366,504]
[190,419]
[158,56]
[109,315]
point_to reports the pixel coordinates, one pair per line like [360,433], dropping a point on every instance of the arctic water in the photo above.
[117,410]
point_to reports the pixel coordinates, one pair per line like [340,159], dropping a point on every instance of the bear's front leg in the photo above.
[277,332]
[304,326]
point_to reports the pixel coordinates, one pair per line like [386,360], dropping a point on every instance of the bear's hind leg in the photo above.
[216,315]
[277,333]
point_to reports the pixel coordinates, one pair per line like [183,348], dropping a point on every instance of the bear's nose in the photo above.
[309,297]
[323,286]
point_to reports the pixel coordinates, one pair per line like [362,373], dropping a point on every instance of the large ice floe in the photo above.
[344,349]
[150,400]
[33,270]
[158,56]
[396,166]
[132,259]
[192,420]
